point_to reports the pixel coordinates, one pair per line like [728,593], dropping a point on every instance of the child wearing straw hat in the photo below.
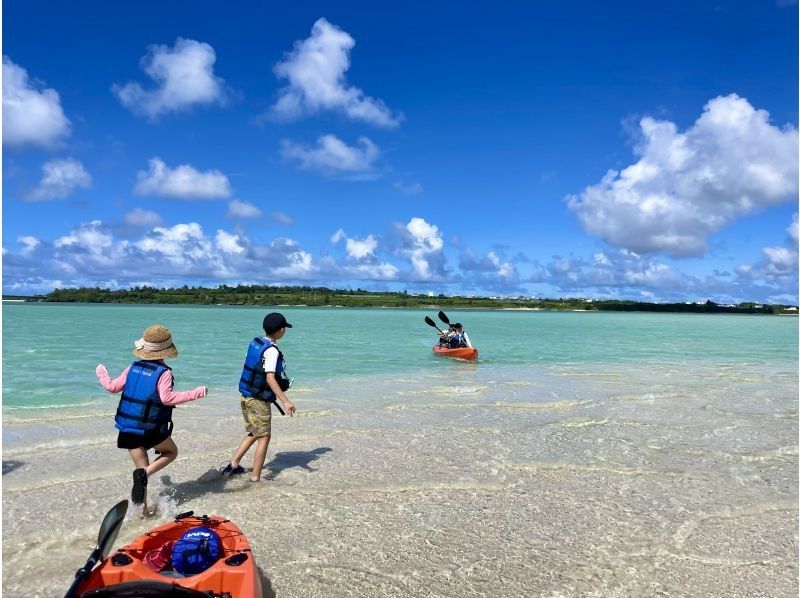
[144,414]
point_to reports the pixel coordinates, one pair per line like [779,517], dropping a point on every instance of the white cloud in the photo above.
[361,259]
[172,242]
[315,71]
[143,218]
[332,156]
[491,263]
[792,230]
[361,248]
[29,244]
[357,249]
[371,271]
[282,218]
[782,258]
[30,116]
[61,178]
[242,209]
[491,270]
[338,236]
[408,189]
[90,236]
[424,248]
[183,75]
[686,186]
[181,182]
[228,243]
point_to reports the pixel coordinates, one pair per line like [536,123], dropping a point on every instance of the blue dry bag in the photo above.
[196,550]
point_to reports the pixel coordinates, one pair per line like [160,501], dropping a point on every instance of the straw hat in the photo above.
[156,343]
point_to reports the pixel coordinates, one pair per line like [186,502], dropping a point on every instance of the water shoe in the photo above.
[230,470]
[139,486]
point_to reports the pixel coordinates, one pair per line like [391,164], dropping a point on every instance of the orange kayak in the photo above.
[468,353]
[141,568]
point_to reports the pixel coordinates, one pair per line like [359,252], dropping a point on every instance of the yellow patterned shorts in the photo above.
[257,417]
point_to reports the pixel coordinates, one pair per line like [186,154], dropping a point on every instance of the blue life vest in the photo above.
[457,341]
[253,382]
[140,409]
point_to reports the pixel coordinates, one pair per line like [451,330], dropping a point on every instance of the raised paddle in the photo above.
[443,317]
[105,540]
[430,322]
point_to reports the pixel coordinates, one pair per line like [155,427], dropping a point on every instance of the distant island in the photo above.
[322,296]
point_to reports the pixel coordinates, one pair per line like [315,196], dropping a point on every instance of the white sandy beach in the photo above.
[560,482]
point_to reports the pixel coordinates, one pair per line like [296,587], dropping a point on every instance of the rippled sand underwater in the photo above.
[552,481]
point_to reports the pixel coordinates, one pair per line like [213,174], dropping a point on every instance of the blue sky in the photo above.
[551,149]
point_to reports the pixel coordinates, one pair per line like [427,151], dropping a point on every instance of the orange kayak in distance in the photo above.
[141,568]
[468,353]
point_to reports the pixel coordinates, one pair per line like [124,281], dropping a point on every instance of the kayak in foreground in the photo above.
[468,353]
[151,564]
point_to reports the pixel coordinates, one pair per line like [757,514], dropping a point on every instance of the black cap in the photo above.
[274,322]
[457,325]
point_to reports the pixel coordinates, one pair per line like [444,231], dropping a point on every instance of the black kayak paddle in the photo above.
[105,540]
[430,322]
[443,317]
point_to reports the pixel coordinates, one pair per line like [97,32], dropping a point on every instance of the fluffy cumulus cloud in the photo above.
[60,179]
[687,185]
[183,77]
[362,261]
[32,114]
[91,255]
[616,273]
[490,268]
[181,182]
[423,243]
[242,209]
[777,270]
[315,74]
[356,248]
[332,156]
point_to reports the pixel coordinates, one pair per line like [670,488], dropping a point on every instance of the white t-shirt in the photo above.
[271,358]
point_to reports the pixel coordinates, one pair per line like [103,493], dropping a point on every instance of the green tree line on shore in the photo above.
[322,296]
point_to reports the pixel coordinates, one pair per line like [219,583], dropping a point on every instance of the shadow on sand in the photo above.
[266,584]
[290,459]
[9,466]
[213,480]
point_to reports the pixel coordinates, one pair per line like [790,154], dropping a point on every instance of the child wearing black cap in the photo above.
[263,382]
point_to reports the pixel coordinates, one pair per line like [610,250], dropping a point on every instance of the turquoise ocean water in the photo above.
[50,351]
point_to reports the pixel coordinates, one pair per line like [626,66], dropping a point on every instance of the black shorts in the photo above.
[126,440]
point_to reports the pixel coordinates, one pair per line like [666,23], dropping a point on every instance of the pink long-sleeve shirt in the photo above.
[166,393]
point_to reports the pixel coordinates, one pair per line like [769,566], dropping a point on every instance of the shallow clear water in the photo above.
[65,342]
[583,455]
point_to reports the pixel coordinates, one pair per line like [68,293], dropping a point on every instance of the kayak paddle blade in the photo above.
[110,527]
[430,322]
[105,540]
[444,318]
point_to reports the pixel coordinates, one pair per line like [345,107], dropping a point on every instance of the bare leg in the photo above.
[139,458]
[260,457]
[244,446]
[168,450]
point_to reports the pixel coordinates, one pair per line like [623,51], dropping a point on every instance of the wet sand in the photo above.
[557,481]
